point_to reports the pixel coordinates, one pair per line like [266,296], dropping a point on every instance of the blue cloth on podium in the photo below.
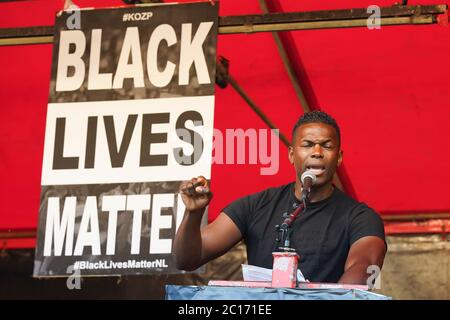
[175,292]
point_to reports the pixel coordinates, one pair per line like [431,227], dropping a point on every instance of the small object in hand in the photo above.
[191,190]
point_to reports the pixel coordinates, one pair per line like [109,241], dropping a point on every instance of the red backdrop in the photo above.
[389,90]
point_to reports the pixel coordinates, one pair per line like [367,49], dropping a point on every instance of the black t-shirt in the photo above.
[322,235]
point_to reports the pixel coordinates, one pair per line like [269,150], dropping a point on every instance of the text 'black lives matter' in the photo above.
[130,116]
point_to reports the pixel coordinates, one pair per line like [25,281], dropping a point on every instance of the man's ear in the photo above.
[291,154]
[341,154]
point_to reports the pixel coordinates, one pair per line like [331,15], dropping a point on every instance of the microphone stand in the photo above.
[284,230]
[285,263]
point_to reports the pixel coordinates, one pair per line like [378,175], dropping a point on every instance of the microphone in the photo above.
[308,179]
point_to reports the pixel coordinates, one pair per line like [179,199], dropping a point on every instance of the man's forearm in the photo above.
[356,274]
[188,242]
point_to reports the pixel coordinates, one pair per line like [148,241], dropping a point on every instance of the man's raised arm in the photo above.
[194,246]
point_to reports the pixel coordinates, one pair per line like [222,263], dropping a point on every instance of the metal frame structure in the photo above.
[273,22]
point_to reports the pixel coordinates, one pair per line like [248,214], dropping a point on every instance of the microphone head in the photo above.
[308,174]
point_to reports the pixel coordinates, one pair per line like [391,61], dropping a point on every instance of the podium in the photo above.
[177,292]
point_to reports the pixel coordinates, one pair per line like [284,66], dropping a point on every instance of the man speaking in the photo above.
[336,237]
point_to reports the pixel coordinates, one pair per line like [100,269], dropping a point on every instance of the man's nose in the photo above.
[317,151]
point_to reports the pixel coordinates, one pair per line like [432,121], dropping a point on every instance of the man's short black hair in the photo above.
[314,117]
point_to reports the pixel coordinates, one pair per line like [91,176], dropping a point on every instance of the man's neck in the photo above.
[317,193]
